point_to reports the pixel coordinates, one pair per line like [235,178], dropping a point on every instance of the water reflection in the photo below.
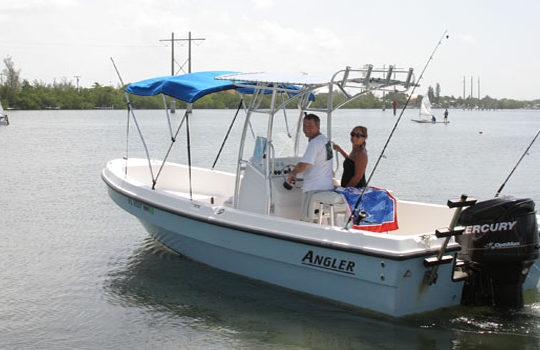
[234,311]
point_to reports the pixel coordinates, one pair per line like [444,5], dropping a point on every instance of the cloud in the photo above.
[270,45]
[467,39]
[12,7]
[263,4]
[77,37]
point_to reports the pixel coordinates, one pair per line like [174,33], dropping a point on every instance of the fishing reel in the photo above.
[360,216]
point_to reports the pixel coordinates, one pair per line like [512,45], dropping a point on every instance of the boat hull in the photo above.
[378,283]
[424,121]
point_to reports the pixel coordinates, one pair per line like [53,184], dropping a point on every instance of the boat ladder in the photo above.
[434,262]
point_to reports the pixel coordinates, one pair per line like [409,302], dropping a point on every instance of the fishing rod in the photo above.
[519,161]
[445,35]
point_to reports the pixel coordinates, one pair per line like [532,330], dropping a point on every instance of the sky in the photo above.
[495,42]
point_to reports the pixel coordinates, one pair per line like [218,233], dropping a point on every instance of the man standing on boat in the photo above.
[316,164]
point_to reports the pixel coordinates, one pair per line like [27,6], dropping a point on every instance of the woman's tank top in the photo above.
[348,173]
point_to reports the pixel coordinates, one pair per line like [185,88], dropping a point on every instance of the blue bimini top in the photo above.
[191,87]
[187,87]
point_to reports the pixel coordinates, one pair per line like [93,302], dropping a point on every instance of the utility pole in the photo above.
[472,88]
[189,40]
[172,40]
[464,104]
[77,77]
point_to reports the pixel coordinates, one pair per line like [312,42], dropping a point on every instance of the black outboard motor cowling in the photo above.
[499,244]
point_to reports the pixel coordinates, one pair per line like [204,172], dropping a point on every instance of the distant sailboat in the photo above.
[426,115]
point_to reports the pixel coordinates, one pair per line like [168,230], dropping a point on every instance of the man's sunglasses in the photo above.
[356,134]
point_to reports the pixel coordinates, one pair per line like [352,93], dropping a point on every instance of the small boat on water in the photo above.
[4,120]
[425,114]
[248,223]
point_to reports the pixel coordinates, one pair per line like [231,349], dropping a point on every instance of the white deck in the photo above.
[217,187]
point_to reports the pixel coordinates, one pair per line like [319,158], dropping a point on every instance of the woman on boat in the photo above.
[354,165]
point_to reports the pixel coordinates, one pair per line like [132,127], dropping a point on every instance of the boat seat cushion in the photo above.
[326,198]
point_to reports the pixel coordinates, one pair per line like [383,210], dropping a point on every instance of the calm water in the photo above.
[77,272]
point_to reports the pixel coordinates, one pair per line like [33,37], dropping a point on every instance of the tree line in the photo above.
[17,94]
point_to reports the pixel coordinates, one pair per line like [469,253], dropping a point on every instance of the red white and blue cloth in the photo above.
[379,205]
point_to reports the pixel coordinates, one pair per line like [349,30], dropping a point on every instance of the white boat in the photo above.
[4,120]
[426,115]
[248,223]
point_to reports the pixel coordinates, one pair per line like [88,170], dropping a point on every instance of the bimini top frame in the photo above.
[351,83]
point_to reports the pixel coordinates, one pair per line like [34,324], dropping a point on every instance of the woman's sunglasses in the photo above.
[356,134]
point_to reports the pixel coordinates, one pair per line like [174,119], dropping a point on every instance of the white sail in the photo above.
[425,107]
[2,114]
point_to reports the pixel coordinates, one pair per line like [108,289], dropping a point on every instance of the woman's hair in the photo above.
[361,129]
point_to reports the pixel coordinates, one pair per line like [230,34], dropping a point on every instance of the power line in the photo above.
[6,43]
[189,40]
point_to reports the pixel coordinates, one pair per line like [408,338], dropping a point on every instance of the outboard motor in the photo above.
[498,246]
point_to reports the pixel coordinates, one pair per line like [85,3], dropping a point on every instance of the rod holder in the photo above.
[389,74]
[368,74]
[409,78]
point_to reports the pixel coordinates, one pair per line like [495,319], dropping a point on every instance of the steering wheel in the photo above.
[285,172]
